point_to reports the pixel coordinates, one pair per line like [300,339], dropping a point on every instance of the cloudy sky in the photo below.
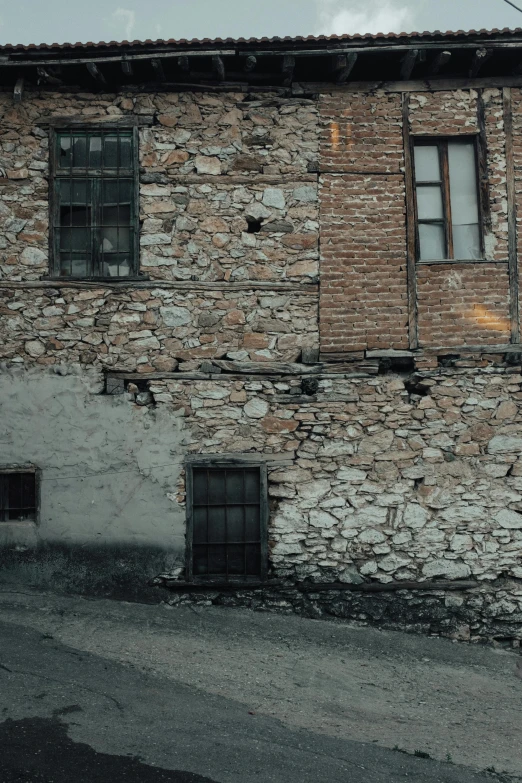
[36,21]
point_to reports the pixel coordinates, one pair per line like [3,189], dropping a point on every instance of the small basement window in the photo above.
[226,530]
[17,496]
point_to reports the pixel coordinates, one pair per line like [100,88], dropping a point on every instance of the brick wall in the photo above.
[363,263]
[463,304]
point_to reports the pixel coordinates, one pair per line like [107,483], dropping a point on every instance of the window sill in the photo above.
[119,280]
[209,586]
[442,261]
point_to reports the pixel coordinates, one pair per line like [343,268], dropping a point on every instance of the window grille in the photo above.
[17,496]
[94,217]
[227,522]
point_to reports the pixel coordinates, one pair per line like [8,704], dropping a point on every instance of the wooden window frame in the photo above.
[441,142]
[222,464]
[56,175]
[29,469]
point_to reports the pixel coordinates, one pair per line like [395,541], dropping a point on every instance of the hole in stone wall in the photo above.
[448,359]
[254,226]
[309,386]
[402,364]
[415,386]
[513,358]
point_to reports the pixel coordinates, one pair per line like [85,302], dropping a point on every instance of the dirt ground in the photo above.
[453,701]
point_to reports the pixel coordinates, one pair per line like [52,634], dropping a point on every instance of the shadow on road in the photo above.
[38,750]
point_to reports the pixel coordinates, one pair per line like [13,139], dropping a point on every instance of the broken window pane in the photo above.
[432,244]
[427,165]
[99,201]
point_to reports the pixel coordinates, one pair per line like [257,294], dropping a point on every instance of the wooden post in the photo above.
[514,309]
[411,244]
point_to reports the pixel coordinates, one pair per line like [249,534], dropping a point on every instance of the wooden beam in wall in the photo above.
[344,65]
[480,57]
[514,308]
[413,325]
[439,62]
[485,203]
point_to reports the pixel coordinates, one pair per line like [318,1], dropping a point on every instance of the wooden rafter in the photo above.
[480,57]
[218,66]
[95,72]
[408,63]
[344,65]
[439,62]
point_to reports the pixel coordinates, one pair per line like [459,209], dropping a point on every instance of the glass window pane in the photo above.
[252,526]
[234,486]
[110,152]
[427,164]
[126,152]
[466,241]
[252,486]
[235,524]
[29,490]
[95,150]
[64,151]
[217,559]
[74,266]
[199,519]
[116,266]
[432,244]
[75,191]
[463,192]
[199,560]
[216,486]
[217,524]
[236,559]
[76,240]
[117,191]
[253,559]
[429,202]
[79,152]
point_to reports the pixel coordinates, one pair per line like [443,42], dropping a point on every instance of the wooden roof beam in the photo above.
[250,63]
[48,75]
[19,90]
[408,63]
[158,69]
[288,66]
[183,63]
[439,62]
[480,57]
[344,65]
[218,66]
[126,67]
[95,72]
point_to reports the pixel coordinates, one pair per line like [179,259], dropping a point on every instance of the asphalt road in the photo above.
[69,715]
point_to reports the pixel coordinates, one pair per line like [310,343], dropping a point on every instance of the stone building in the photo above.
[259,324]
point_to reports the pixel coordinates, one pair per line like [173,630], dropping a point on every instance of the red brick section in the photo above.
[361,133]
[463,304]
[363,263]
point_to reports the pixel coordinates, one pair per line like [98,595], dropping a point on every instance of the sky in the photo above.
[50,21]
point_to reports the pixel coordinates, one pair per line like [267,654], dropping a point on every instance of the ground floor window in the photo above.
[18,492]
[226,531]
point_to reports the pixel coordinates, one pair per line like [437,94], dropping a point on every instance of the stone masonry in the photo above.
[272,228]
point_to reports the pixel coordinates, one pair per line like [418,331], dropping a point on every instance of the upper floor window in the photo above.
[448,211]
[94,220]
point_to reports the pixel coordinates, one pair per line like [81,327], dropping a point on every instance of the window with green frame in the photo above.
[95,206]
